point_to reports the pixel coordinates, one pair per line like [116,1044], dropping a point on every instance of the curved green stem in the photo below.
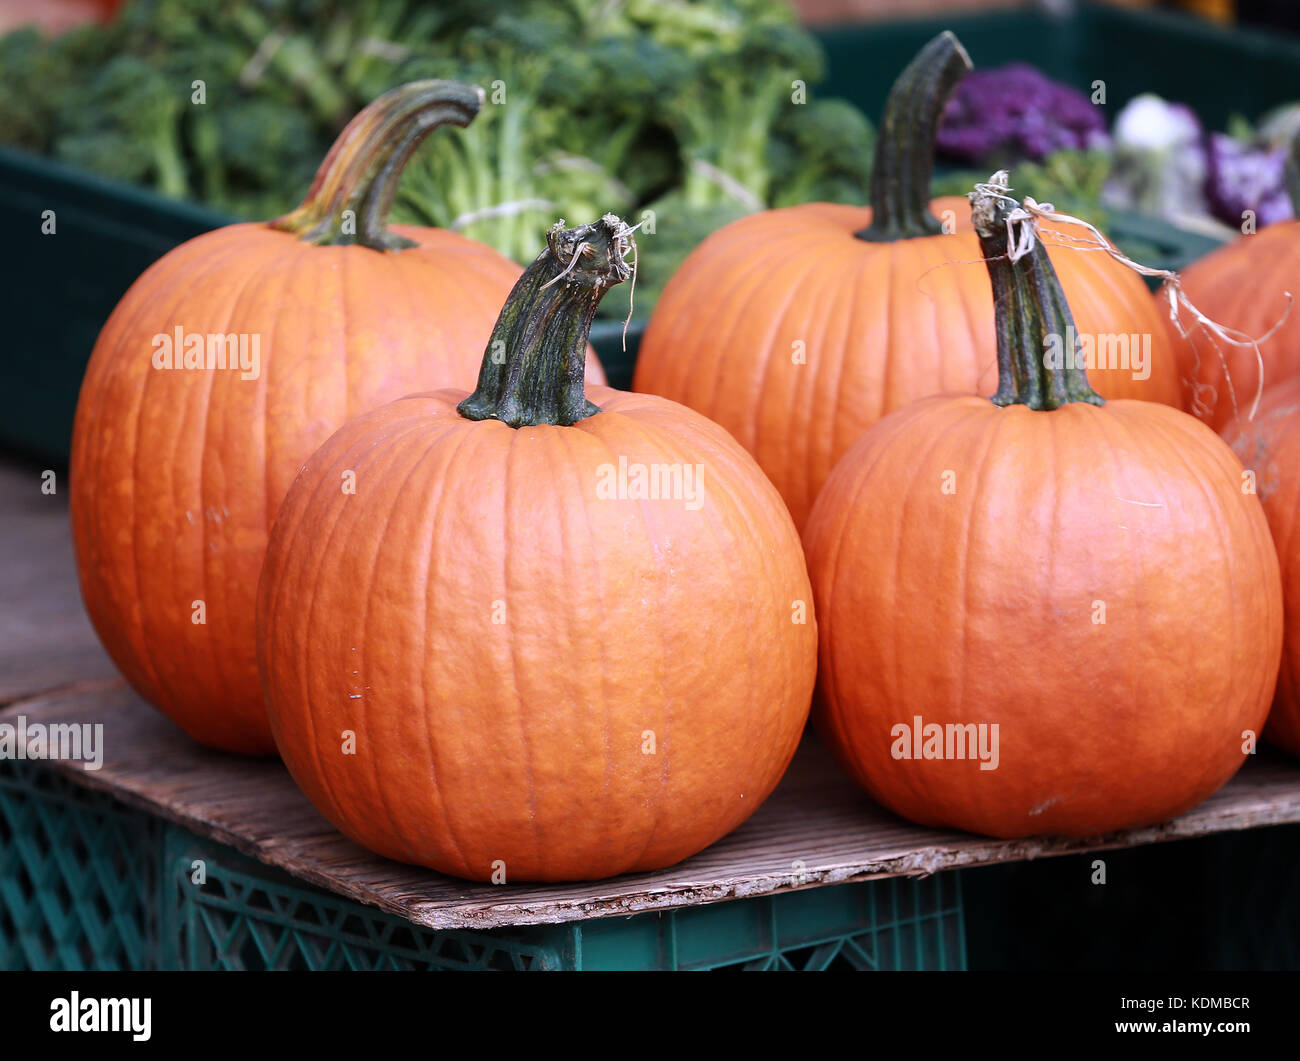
[350,198]
[532,371]
[900,177]
[1040,363]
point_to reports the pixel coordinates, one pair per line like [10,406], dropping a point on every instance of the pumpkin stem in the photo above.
[349,200]
[532,371]
[1040,362]
[900,178]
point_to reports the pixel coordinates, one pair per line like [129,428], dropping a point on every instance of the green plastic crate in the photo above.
[246,916]
[87,883]
[78,875]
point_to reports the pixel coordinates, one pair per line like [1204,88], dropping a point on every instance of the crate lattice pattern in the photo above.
[78,875]
[87,883]
[243,916]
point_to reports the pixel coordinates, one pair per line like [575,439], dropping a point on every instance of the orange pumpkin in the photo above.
[568,640]
[177,467]
[1269,447]
[797,329]
[1076,595]
[1244,285]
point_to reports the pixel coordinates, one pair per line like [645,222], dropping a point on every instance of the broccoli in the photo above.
[611,106]
[613,94]
[128,127]
[724,115]
[572,111]
[684,106]
[487,181]
[821,152]
[254,158]
[41,78]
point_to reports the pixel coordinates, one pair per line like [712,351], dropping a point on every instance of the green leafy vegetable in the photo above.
[696,110]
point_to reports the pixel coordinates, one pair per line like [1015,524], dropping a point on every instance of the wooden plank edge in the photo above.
[914,865]
[950,851]
[12,702]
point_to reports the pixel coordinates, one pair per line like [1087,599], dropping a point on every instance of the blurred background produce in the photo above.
[1158,158]
[684,114]
[686,109]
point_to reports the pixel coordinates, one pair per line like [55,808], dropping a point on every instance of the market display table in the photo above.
[160,857]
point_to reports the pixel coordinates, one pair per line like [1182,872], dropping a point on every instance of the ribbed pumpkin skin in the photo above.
[176,474]
[522,740]
[1270,447]
[977,606]
[882,324]
[1243,285]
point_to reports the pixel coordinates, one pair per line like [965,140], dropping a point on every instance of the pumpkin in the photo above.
[548,636]
[1041,613]
[177,467]
[796,329]
[1245,285]
[1269,447]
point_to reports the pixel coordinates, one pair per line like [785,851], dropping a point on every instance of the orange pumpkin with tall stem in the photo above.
[797,329]
[180,453]
[1041,613]
[567,636]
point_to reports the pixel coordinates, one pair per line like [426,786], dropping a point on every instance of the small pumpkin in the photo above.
[1269,448]
[1075,593]
[571,635]
[796,329]
[1245,285]
[178,463]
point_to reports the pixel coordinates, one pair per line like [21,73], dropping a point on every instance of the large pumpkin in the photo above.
[796,329]
[1245,285]
[1041,613]
[1269,447]
[543,639]
[178,463]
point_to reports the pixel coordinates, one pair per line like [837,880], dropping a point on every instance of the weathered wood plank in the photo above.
[45,638]
[817,828]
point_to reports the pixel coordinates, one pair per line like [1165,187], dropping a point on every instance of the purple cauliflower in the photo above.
[1242,177]
[1013,113]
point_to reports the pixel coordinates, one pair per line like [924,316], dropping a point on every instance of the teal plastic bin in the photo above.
[88,883]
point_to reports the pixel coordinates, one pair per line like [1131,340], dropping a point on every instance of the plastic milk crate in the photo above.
[89,883]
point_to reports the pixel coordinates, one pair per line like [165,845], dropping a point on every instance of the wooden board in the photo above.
[816,829]
[46,641]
